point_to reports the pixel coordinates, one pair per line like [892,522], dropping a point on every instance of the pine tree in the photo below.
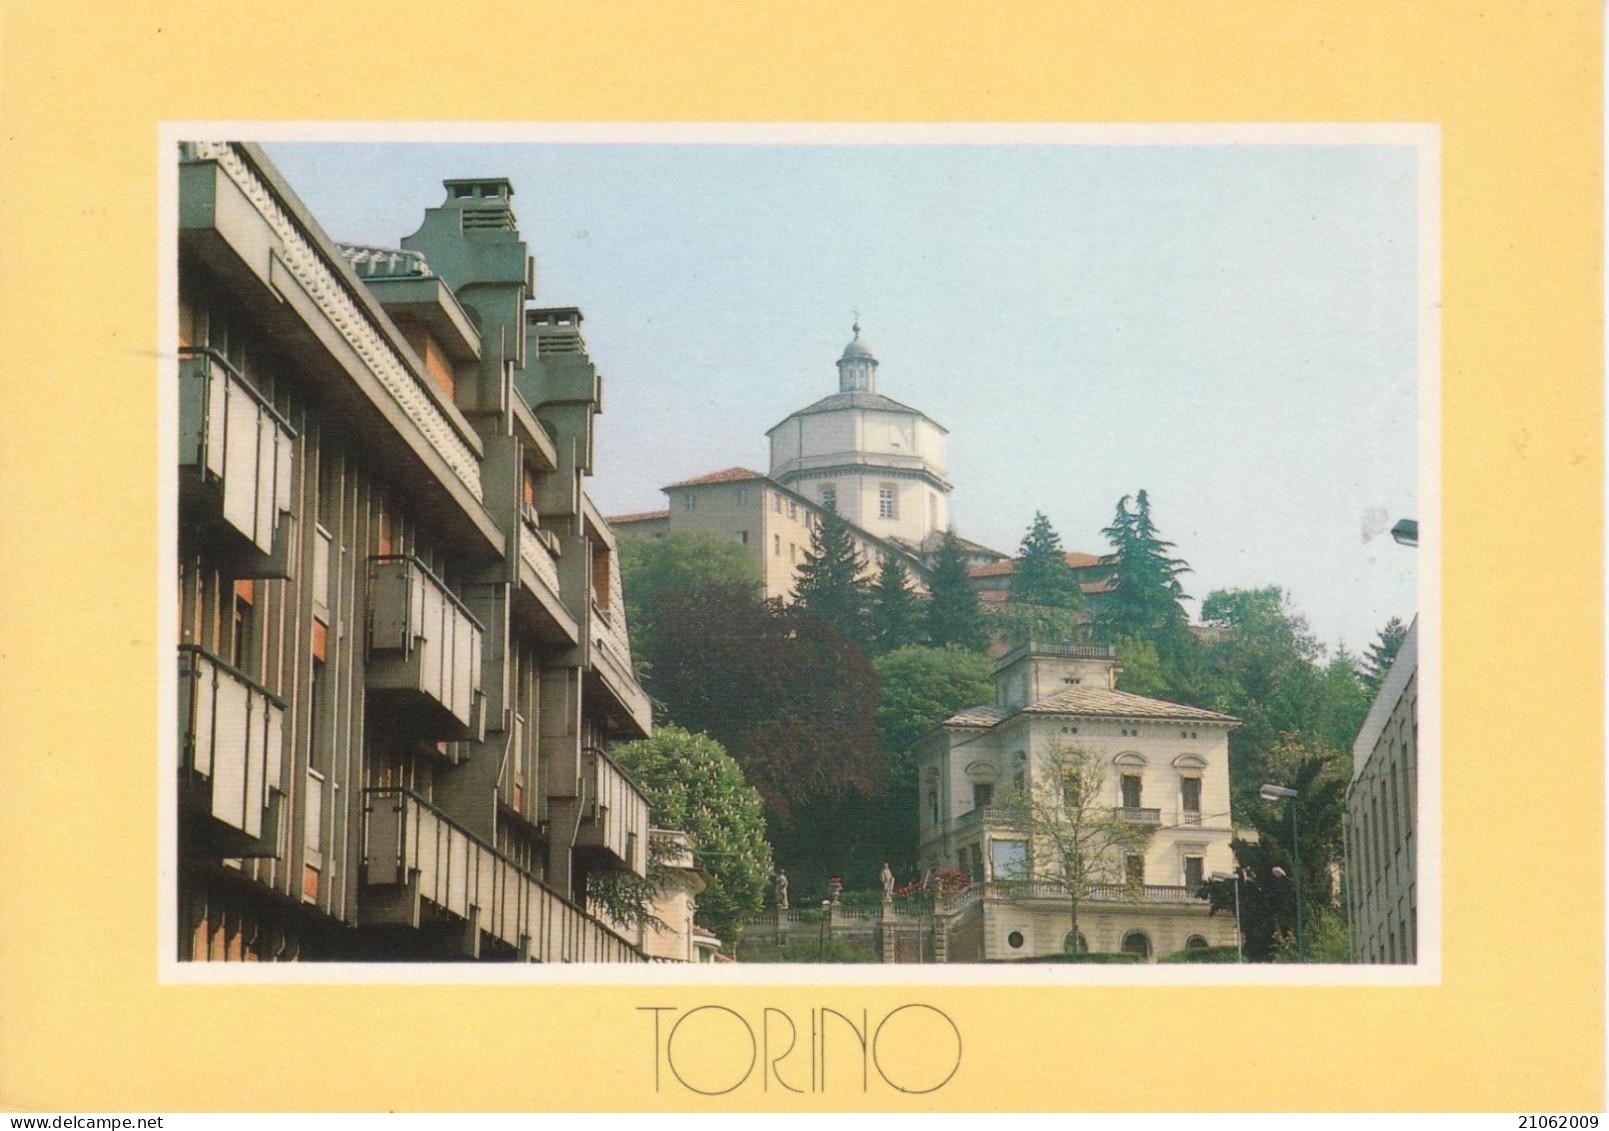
[1042,575]
[895,610]
[1377,662]
[953,616]
[1145,595]
[831,585]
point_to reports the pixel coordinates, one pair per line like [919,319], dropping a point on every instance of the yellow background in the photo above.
[1517,1022]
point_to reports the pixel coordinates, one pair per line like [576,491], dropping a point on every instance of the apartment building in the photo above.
[1382,806]
[402,653]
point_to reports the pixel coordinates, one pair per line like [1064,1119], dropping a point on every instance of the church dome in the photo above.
[857,349]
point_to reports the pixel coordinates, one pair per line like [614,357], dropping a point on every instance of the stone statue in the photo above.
[888,883]
[782,891]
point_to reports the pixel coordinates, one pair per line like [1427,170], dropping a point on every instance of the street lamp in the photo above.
[1277,793]
[1219,877]
[1406,532]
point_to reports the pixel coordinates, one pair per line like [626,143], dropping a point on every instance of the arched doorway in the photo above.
[1137,942]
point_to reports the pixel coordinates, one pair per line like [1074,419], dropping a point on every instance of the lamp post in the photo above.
[1219,877]
[1271,792]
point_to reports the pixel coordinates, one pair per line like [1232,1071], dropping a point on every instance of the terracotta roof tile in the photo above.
[1008,567]
[730,475]
[642,516]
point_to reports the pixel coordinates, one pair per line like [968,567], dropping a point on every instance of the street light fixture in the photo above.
[1219,877]
[1276,793]
[1406,532]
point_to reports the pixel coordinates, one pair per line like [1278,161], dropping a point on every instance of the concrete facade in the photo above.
[1382,818]
[401,643]
[1166,768]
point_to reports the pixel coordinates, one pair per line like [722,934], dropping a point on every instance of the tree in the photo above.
[1268,866]
[791,701]
[1145,595]
[1042,575]
[1074,834]
[831,583]
[921,687]
[1377,661]
[679,562]
[895,609]
[694,785]
[952,607]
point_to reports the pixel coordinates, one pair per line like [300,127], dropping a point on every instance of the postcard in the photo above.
[906,597]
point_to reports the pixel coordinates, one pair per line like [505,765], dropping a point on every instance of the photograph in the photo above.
[808,546]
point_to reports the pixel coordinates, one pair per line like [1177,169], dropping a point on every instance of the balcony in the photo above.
[424,649]
[235,450]
[987,816]
[420,866]
[231,737]
[1137,816]
[614,815]
[610,653]
[539,550]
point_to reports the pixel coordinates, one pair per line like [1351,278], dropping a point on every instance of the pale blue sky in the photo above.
[1230,327]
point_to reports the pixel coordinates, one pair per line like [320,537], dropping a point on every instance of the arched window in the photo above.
[1195,942]
[1071,946]
[1137,942]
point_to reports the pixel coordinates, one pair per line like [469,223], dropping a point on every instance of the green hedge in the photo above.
[1203,954]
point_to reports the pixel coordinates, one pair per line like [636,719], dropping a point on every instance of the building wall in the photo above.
[1382,819]
[372,680]
[777,527]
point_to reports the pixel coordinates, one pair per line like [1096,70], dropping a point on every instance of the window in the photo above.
[1195,942]
[689,501]
[886,502]
[240,636]
[982,795]
[1194,872]
[933,803]
[776,545]
[793,509]
[321,573]
[793,552]
[742,494]
[1190,789]
[776,503]
[1015,940]
[313,830]
[1131,791]
[1074,943]
[1019,782]
[1137,942]
[1134,868]
[829,496]
[1010,859]
[743,537]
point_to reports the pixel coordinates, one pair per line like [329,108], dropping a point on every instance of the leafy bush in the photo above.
[1203,954]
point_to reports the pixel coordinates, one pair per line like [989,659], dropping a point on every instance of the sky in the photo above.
[1231,327]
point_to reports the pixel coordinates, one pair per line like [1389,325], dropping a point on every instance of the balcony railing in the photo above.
[987,815]
[1137,816]
[611,654]
[410,847]
[615,817]
[231,737]
[238,444]
[536,553]
[1054,889]
[425,642]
